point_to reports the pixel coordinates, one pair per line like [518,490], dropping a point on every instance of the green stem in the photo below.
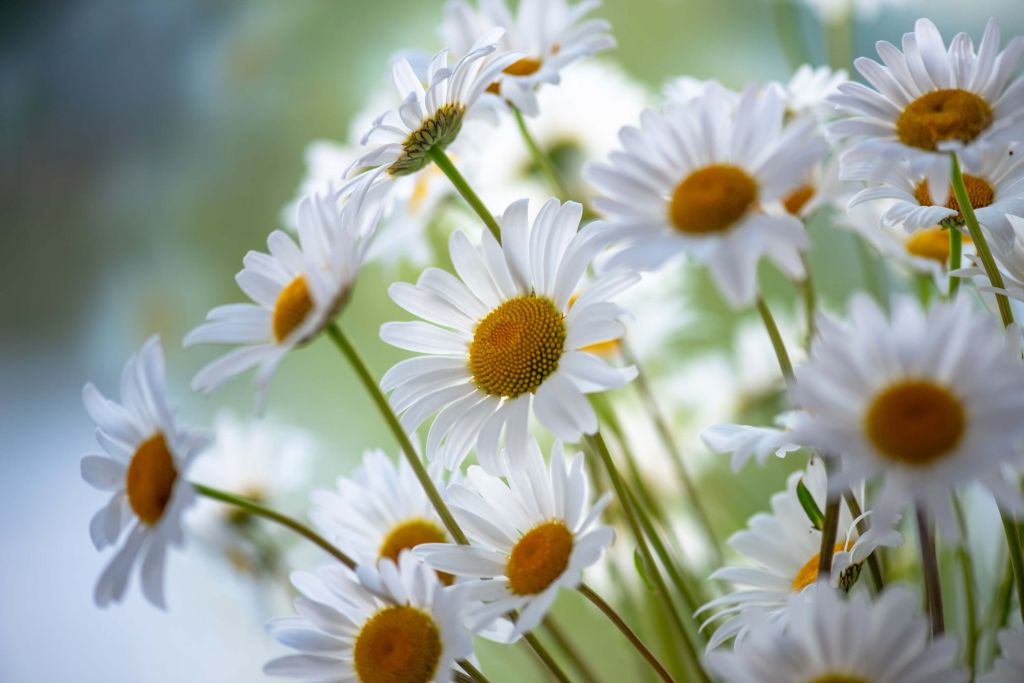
[956,243]
[540,159]
[830,527]
[930,570]
[970,606]
[810,302]
[963,201]
[570,651]
[254,508]
[996,615]
[787,27]
[630,635]
[350,352]
[839,35]
[776,338]
[477,675]
[545,656]
[462,186]
[862,528]
[1016,558]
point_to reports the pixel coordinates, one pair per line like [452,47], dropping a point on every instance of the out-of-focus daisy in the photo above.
[784,545]
[929,101]
[1009,668]
[829,637]
[548,34]
[932,400]
[503,340]
[701,179]
[686,89]
[431,117]
[297,289]
[808,90]
[745,441]
[389,623]
[531,534]
[833,11]
[146,456]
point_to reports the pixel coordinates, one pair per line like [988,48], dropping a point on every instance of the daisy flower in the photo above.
[700,178]
[507,337]
[531,533]
[548,35]
[146,455]
[1010,667]
[929,101]
[392,622]
[829,637]
[808,90]
[745,441]
[297,289]
[400,140]
[931,400]
[784,546]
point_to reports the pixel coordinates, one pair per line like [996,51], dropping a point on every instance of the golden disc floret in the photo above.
[915,422]
[539,557]
[979,192]
[942,116]
[149,482]
[712,199]
[808,573]
[399,644]
[291,308]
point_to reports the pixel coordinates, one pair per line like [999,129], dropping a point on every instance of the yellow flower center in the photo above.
[409,534]
[930,243]
[149,482]
[398,644]
[291,308]
[796,199]
[539,557]
[609,347]
[516,346]
[915,422]
[712,199]
[523,67]
[979,192]
[941,115]
[808,573]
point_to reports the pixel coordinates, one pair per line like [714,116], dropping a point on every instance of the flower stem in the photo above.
[956,247]
[254,508]
[474,672]
[963,201]
[631,636]
[462,186]
[970,606]
[830,527]
[567,647]
[863,525]
[930,569]
[542,653]
[1016,558]
[810,302]
[540,159]
[350,352]
[776,338]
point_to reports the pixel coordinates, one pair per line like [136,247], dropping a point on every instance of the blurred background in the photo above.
[145,147]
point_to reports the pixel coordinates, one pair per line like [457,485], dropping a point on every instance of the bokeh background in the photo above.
[145,147]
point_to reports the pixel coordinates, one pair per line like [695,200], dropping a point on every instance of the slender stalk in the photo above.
[839,36]
[829,529]
[970,602]
[930,569]
[545,656]
[570,651]
[785,364]
[254,508]
[963,201]
[791,38]
[810,303]
[862,527]
[1016,558]
[631,636]
[477,675]
[540,158]
[956,247]
[462,186]
[350,352]
[996,616]
[599,446]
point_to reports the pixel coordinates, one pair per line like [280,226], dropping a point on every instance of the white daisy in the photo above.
[744,441]
[702,178]
[531,534]
[431,117]
[932,400]
[829,637]
[506,340]
[1009,255]
[784,546]
[386,623]
[146,457]
[1010,667]
[297,289]
[808,90]
[685,90]
[928,101]
[549,35]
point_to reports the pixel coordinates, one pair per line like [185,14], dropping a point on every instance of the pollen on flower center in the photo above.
[539,557]
[808,573]
[930,243]
[398,644]
[291,308]
[517,346]
[943,115]
[436,132]
[915,422]
[712,199]
[150,479]
[979,192]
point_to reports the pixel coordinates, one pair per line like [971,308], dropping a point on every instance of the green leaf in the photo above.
[641,569]
[810,507]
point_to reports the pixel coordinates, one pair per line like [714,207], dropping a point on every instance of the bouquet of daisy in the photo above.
[534,392]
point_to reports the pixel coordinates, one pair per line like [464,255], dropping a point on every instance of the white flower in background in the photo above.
[389,623]
[931,400]
[1009,668]
[744,441]
[549,35]
[685,90]
[507,337]
[400,140]
[146,456]
[929,101]
[829,637]
[784,546]
[808,90]
[297,289]
[531,534]
[832,11]
[701,179]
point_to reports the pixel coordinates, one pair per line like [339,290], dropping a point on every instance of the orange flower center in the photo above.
[915,422]
[796,199]
[539,557]
[943,115]
[291,308]
[523,67]
[712,199]
[398,644]
[408,535]
[930,243]
[808,573]
[150,479]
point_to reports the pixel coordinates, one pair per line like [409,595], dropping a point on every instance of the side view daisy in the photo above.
[391,623]
[505,338]
[706,179]
[532,534]
[1010,666]
[931,400]
[827,637]
[549,34]
[929,100]
[744,442]
[808,90]
[146,455]
[297,290]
